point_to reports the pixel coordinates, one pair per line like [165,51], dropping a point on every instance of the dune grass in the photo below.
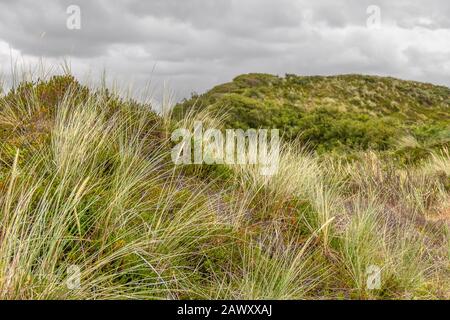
[86,180]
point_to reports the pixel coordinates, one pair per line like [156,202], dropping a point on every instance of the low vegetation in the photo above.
[337,114]
[86,180]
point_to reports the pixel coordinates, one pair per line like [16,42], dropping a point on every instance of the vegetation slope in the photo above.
[336,113]
[86,180]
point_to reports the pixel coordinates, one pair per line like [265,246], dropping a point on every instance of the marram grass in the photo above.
[86,180]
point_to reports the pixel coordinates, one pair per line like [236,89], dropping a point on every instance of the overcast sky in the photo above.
[196,44]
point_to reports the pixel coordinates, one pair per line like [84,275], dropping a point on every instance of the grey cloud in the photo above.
[198,43]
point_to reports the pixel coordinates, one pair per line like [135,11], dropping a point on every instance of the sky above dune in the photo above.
[192,45]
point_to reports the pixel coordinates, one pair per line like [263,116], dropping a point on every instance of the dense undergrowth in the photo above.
[337,113]
[86,179]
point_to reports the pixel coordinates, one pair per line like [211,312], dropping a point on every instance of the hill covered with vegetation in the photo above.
[92,206]
[335,113]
